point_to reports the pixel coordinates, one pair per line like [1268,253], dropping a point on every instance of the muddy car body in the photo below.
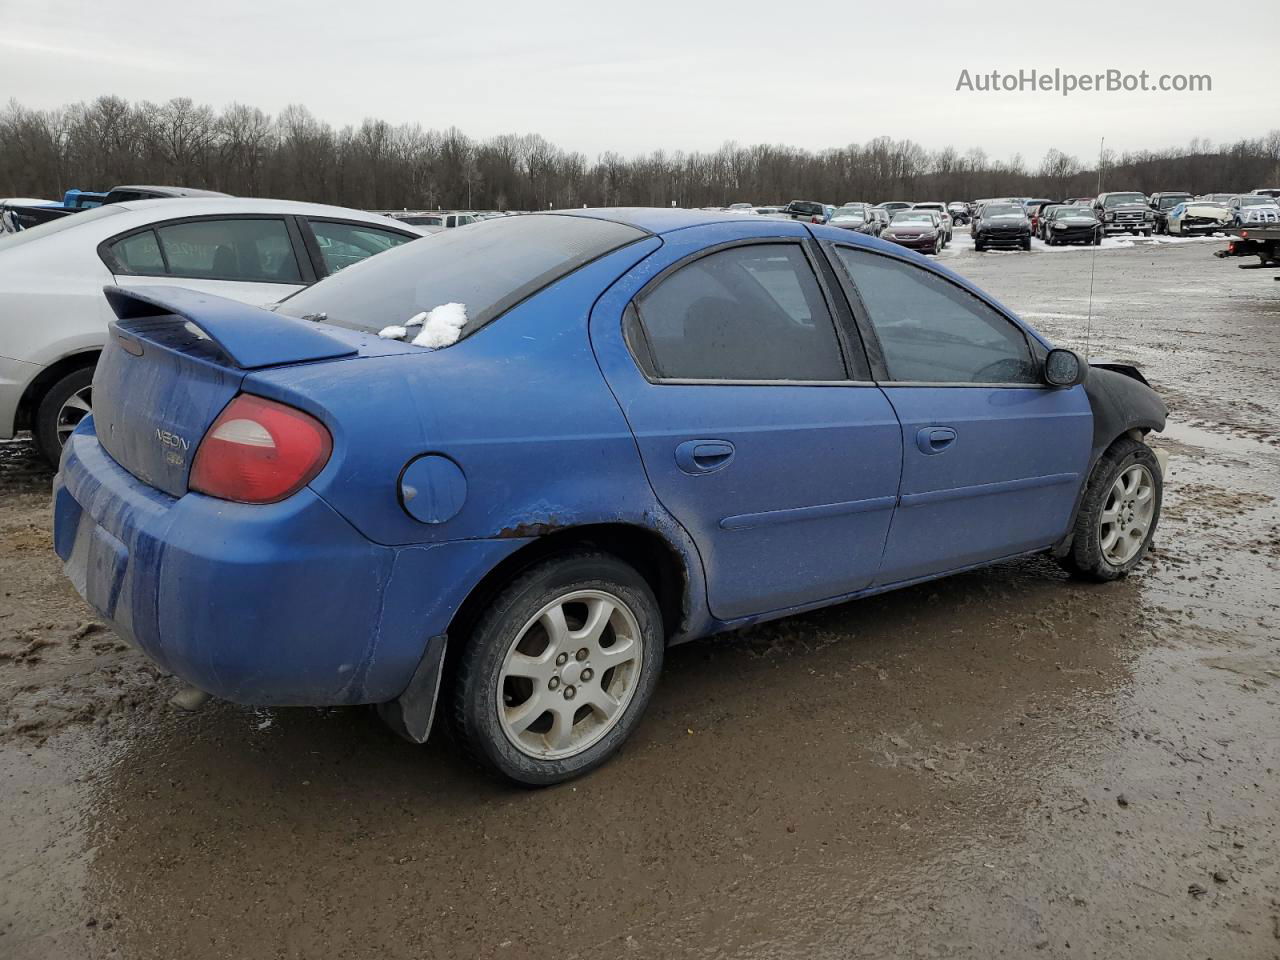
[302,507]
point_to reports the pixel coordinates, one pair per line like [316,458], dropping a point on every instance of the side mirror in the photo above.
[1063,368]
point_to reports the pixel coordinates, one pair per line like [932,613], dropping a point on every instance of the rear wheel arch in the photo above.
[46,378]
[655,558]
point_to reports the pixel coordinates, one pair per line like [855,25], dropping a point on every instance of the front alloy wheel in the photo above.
[558,670]
[1126,519]
[1118,516]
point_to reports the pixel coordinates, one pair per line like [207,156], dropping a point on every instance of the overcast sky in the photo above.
[632,77]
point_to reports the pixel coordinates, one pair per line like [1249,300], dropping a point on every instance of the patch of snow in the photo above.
[392,333]
[442,325]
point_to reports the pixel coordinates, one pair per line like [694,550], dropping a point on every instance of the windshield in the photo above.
[488,268]
[1115,199]
[11,240]
[1167,202]
[1257,201]
[1002,210]
[913,216]
[850,213]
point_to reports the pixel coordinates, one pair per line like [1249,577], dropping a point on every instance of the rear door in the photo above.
[257,259]
[754,415]
[992,457]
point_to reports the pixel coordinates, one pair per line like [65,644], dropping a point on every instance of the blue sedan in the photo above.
[493,476]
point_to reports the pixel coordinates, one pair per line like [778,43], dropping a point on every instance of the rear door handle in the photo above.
[933,440]
[696,457]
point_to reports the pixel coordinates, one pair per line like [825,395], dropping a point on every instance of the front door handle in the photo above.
[933,440]
[696,457]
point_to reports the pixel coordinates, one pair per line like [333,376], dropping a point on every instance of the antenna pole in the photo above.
[1093,261]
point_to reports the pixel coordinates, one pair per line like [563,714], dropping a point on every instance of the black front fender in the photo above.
[1121,401]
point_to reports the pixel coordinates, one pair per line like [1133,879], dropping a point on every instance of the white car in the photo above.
[53,316]
[1198,216]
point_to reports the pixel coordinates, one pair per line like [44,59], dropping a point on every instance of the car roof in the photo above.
[172,207]
[170,191]
[656,220]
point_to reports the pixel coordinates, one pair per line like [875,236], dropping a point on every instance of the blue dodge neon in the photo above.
[494,474]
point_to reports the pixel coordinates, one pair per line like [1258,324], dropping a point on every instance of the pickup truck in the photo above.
[1260,240]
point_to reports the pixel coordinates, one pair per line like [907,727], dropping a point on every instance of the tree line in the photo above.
[379,166]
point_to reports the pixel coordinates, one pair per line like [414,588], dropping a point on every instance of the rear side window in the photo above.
[232,249]
[746,313]
[932,331]
[344,244]
[139,253]
[488,268]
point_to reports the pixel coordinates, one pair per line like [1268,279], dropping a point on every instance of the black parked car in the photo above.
[809,211]
[1162,203]
[1067,224]
[1002,225]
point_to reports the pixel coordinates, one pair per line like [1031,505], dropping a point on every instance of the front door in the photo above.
[992,457]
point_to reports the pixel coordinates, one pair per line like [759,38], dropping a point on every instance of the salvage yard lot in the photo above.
[996,764]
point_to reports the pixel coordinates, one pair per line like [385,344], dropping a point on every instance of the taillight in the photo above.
[259,451]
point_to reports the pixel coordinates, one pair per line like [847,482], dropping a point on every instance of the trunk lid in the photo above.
[174,358]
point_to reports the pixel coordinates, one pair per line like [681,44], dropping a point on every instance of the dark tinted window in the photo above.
[746,313]
[232,249]
[342,244]
[931,330]
[488,267]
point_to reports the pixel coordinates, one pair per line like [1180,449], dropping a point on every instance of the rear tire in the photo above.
[61,408]
[1106,544]
[525,703]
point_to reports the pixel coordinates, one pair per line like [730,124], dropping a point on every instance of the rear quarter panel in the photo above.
[520,406]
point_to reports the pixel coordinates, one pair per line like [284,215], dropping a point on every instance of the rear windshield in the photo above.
[805,206]
[10,240]
[488,268]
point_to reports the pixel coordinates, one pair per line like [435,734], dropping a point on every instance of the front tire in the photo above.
[1119,514]
[60,410]
[558,671]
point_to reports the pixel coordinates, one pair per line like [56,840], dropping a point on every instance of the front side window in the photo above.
[234,249]
[342,244]
[932,331]
[746,313]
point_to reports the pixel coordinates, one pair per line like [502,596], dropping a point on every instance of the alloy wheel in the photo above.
[569,674]
[1126,519]
[73,410]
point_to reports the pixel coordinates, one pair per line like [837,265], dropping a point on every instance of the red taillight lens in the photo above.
[259,451]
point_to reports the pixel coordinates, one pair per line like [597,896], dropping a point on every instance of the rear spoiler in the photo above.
[250,336]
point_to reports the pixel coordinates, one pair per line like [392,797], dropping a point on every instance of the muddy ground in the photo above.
[1003,764]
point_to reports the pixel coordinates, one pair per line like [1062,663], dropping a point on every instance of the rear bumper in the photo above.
[278,604]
